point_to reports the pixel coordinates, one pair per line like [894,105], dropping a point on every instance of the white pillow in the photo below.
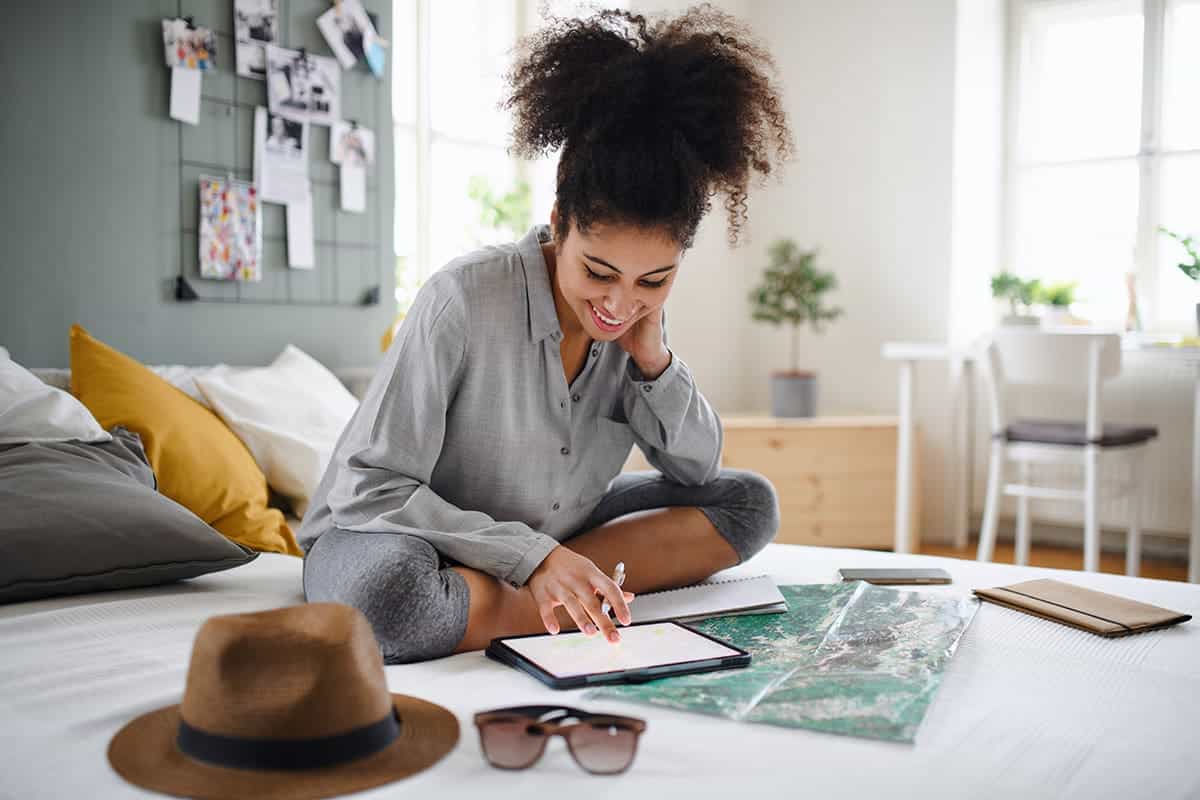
[32,411]
[289,415]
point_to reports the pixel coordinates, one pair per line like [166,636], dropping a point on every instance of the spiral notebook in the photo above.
[712,598]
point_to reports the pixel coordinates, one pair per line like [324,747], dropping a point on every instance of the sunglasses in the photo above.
[515,738]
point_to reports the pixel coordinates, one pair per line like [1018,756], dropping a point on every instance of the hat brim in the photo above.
[144,753]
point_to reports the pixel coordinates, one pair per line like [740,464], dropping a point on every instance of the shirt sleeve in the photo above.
[673,423]
[391,446]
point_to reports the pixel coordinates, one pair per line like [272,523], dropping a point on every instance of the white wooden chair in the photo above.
[1081,360]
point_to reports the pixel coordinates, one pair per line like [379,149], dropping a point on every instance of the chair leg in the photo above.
[1091,510]
[991,509]
[1133,542]
[1022,535]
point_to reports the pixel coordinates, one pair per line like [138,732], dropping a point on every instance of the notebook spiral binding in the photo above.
[702,585]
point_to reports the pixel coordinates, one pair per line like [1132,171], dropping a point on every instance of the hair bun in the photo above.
[623,96]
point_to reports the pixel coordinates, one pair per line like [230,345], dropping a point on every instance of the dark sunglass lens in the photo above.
[511,744]
[603,747]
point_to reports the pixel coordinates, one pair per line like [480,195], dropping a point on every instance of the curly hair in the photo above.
[653,117]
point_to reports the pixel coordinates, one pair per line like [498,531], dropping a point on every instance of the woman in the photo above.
[476,491]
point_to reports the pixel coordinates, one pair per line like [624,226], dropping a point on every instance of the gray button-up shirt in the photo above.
[470,438]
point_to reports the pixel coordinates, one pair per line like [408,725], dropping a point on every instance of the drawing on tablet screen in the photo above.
[641,646]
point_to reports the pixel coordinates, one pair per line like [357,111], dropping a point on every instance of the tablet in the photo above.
[646,652]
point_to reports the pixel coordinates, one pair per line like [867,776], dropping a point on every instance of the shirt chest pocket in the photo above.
[604,456]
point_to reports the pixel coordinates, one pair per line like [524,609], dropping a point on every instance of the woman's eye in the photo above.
[596,276]
[654,284]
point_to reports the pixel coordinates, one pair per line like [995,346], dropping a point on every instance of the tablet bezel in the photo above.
[499,650]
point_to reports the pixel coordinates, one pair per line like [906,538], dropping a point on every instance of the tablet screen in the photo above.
[569,654]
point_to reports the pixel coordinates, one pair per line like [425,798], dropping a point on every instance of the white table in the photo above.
[959,470]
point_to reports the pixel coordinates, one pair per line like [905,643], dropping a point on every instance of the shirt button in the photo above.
[595,352]
[575,398]
[566,451]
[647,388]
[562,403]
[555,507]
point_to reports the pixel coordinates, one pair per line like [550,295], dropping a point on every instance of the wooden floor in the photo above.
[1064,558]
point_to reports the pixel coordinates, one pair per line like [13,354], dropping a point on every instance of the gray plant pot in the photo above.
[794,394]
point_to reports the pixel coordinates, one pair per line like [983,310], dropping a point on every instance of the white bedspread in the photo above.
[1027,709]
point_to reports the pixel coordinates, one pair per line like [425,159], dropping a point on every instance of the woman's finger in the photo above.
[613,594]
[576,611]
[603,623]
[545,607]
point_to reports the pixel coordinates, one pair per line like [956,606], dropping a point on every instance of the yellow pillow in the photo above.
[199,462]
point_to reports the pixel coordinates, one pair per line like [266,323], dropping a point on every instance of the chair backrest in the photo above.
[1034,357]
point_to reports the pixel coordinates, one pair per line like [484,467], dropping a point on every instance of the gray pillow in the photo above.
[77,517]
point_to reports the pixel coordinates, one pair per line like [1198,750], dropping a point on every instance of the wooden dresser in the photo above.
[836,476]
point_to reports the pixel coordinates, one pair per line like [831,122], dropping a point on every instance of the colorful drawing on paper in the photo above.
[230,230]
[188,45]
[853,659]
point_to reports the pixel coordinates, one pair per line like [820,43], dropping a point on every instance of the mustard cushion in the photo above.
[199,462]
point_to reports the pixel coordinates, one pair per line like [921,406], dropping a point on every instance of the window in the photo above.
[1105,148]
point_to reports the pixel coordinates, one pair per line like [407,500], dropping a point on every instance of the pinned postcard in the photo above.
[256,24]
[230,230]
[187,45]
[300,233]
[185,95]
[354,188]
[303,87]
[349,143]
[349,32]
[280,157]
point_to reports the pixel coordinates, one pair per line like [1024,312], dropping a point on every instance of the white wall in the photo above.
[870,89]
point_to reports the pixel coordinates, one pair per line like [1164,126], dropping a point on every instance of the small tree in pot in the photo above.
[791,293]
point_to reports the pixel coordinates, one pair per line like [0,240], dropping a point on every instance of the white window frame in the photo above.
[1149,157]
[420,265]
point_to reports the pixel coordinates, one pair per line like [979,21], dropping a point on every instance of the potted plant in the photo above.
[1020,296]
[1189,268]
[1057,297]
[792,293]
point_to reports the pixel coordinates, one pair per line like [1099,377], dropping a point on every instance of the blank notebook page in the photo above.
[711,598]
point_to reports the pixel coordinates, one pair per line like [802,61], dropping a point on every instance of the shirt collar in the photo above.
[543,316]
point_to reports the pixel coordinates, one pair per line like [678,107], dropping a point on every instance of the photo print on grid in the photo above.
[188,45]
[256,24]
[280,157]
[303,87]
[351,144]
[285,137]
[349,32]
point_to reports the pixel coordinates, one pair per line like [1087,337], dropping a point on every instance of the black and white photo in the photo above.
[348,30]
[280,157]
[285,137]
[303,87]
[256,24]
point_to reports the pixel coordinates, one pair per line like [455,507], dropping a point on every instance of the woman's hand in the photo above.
[644,343]
[567,579]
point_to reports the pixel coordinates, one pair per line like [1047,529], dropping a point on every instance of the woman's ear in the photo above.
[554,216]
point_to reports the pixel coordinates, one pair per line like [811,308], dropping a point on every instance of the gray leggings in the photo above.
[418,606]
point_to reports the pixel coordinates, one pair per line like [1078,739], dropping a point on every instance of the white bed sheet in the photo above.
[1027,709]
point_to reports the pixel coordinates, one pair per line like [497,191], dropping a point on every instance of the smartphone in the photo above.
[884,577]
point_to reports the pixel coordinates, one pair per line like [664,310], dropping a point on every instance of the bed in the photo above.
[1027,708]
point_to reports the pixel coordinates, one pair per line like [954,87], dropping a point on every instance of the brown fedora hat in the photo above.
[288,703]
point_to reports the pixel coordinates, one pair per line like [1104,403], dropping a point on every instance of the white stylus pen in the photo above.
[618,577]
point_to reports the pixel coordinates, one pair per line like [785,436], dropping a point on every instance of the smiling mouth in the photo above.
[603,322]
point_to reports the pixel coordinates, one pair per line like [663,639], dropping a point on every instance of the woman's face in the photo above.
[612,276]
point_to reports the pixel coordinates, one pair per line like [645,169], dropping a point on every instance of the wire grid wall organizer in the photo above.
[350,261]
